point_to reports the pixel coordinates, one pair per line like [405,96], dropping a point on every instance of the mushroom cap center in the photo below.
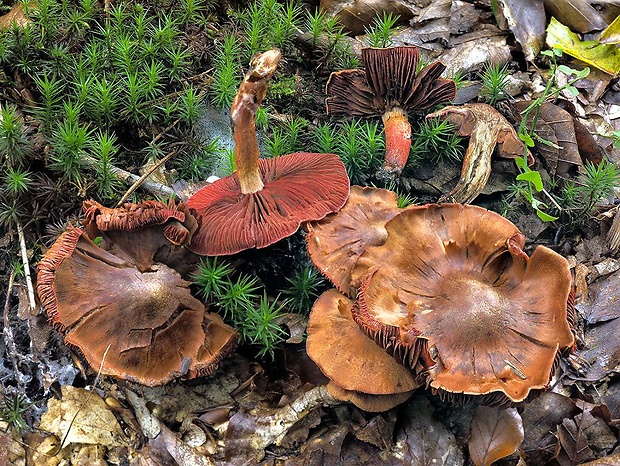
[472,305]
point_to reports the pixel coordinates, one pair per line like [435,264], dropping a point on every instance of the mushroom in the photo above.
[131,316]
[336,242]
[358,368]
[486,129]
[390,86]
[265,200]
[455,298]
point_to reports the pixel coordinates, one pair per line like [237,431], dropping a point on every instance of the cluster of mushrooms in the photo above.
[435,295]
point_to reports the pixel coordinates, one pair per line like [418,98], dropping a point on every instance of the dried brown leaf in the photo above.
[355,15]
[579,15]
[423,440]
[541,417]
[526,20]
[557,126]
[82,417]
[572,447]
[495,433]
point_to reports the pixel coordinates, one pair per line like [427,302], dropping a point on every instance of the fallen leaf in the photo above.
[572,447]
[601,352]
[423,440]
[15,15]
[526,20]
[611,35]
[612,460]
[601,56]
[579,15]
[81,416]
[495,433]
[556,126]
[541,417]
[356,15]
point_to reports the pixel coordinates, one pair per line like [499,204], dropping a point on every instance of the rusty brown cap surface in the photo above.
[347,356]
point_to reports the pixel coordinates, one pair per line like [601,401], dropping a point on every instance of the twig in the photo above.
[143,178]
[22,248]
[157,189]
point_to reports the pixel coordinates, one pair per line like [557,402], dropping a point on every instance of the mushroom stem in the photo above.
[397,140]
[243,118]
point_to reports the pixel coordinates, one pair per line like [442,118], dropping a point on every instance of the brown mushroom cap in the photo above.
[336,242]
[348,357]
[370,403]
[297,188]
[390,80]
[140,325]
[456,278]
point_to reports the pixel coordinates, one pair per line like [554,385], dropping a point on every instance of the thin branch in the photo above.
[144,177]
[24,252]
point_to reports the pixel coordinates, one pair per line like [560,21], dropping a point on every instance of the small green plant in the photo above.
[328,37]
[262,325]
[494,82]
[303,288]
[212,278]
[595,184]
[359,143]
[14,146]
[380,32]
[227,76]
[199,163]
[287,139]
[16,181]
[435,140]
[12,412]
[237,296]
[528,134]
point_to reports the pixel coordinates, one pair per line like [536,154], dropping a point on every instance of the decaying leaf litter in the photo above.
[255,410]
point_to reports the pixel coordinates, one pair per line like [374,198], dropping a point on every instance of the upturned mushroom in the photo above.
[336,242]
[486,129]
[390,86]
[454,297]
[359,370]
[123,304]
[265,200]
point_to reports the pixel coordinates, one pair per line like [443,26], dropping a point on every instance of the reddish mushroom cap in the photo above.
[455,285]
[140,324]
[336,242]
[298,187]
[348,357]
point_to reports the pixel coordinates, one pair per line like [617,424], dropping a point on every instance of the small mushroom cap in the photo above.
[347,356]
[370,403]
[390,80]
[456,277]
[144,326]
[336,242]
[298,187]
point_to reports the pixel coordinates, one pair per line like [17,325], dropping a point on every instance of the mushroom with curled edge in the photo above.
[389,86]
[265,200]
[130,315]
[456,299]
[486,129]
[336,242]
[359,370]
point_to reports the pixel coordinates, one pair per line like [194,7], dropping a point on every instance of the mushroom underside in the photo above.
[297,188]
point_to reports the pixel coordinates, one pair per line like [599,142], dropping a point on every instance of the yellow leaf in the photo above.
[611,35]
[604,57]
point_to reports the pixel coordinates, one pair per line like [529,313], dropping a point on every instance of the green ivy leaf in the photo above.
[527,139]
[532,177]
[520,161]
